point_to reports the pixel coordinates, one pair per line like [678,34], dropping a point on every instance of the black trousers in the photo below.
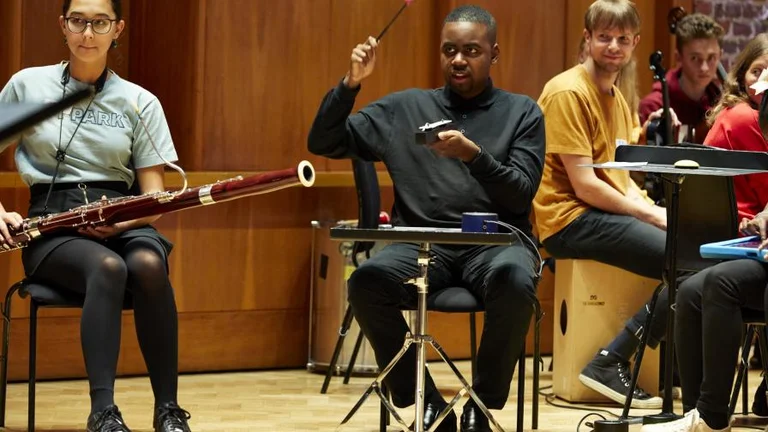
[624,242]
[503,277]
[708,327]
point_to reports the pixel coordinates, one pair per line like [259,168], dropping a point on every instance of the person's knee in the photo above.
[147,270]
[718,286]
[145,261]
[112,268]
[365,285]
[688,297]
[512,280]
[108,278]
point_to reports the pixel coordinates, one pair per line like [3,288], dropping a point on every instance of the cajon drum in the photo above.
[592,303]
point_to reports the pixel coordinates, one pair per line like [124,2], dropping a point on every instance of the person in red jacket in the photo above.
[693,85]
[734,125]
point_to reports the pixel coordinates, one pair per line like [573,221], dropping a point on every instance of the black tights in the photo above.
[103,273]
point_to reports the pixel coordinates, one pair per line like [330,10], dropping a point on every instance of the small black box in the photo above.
[427,134]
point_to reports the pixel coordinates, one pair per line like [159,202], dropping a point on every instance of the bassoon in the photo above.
[114,210]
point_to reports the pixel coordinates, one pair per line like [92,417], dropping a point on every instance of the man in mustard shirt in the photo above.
[601,214]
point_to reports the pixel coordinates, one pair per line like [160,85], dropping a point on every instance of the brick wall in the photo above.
[741,19]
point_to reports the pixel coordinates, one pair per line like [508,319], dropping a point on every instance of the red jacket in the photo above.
[737,128]
[689,111]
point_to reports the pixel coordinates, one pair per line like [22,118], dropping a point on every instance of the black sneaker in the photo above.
[108,420]
[169,417]
[760,402]
[609,375]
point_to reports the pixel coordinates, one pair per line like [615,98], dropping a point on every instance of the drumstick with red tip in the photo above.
[405,5]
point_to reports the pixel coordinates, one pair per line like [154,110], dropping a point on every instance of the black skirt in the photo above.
[66,196]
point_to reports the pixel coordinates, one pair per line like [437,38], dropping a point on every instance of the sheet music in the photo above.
[619,164]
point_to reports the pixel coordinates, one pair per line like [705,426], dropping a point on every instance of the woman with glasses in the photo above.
[114,143]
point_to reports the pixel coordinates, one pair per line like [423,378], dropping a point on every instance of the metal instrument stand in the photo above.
[421,339]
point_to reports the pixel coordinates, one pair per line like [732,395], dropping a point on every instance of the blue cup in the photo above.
[476,222]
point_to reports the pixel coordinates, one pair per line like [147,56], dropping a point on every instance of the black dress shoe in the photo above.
[473,420]
[431,411]
[108,420]
[169,417]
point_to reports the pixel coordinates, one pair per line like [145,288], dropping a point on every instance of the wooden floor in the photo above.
[287,400]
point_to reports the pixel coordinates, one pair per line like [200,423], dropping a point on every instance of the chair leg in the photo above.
[537,364]
[6,346]
[473,343]
[353,357]
[762,338]
[345,323]
[742,371]
[521,389]
[745,387]
[32,365]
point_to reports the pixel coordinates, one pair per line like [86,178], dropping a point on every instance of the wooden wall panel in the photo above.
[10,42]
[238,340]
[265,73]
[529,56]
[168,67]
[662,33]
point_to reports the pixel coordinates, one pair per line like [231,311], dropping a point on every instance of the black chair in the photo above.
[41,296]
[369,205]
[754,321]
[451,300]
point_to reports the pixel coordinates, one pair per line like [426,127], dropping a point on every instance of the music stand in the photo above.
[424,237]
[15,118]
[661,160]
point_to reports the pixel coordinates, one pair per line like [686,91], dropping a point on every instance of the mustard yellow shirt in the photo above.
[579,120]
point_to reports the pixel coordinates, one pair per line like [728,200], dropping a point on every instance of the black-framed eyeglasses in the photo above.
[98,25]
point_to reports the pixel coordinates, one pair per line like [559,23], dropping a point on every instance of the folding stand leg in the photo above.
[641,351]
[376,386]
[466,389]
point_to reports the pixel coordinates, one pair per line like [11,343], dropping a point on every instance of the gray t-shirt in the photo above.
[110,143]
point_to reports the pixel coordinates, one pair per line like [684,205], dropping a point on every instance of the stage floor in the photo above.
[286,400]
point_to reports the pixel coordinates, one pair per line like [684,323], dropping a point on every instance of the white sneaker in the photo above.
[691,422]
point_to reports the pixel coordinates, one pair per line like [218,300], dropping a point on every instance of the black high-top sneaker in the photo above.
[610,375]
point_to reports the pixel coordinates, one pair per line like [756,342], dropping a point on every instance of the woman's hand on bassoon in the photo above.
[8,219]
[103,232]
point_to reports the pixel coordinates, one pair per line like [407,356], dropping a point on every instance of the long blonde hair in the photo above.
[734,88]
